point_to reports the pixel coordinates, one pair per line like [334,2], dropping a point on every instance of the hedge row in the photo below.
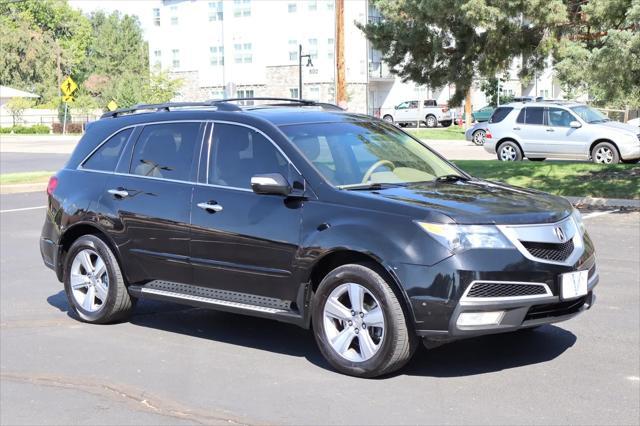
[26,130]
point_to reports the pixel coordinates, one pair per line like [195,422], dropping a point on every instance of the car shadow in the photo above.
[468,357]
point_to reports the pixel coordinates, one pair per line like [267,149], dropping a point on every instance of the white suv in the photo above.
[560,130]
[429,113]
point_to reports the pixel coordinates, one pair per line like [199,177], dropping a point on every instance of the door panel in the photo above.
[533,133]
[563,140]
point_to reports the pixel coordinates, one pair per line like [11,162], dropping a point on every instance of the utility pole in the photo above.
[341,85]
[309,64]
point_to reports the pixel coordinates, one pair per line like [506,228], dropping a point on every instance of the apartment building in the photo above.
[244,48]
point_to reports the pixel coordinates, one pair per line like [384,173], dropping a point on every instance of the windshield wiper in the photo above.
[451,178]
[372,186]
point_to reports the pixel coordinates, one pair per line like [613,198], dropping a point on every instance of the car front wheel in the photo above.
[605,153]
[359,324]
[509,151]
[94,284]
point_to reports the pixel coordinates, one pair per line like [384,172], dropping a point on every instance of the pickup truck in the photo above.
[429,113]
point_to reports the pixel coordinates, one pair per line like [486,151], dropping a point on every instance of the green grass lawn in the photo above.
[562,178]
[450,133]
[25,177]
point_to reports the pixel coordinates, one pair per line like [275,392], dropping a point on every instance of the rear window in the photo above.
[499,114]
[106,157]
[534,115]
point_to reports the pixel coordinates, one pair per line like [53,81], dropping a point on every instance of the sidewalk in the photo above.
[38,144]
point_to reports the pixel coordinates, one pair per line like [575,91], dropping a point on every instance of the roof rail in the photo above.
[302,102]
[220,105]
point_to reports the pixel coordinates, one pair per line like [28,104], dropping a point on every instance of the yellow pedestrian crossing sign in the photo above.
[112,106]
[68,86]
[68,98]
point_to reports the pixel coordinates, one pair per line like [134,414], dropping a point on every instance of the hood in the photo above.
[618,126]
[481,202]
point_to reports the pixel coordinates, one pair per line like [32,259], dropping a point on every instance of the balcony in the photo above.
[379,71]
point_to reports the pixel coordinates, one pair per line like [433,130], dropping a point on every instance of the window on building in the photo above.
[330,4]
[216,55]
[175,58]
[217,94]
[106,157]
[293,50]
[314,93]
[157,57]
[330,49]
[292,7]
[241,8]
[313,48]
[313,5]
[156,17]
[245,94]
[165,151]
[238,153]
[174,15]
[243,53]
[215,11]
[294,93]
[544,93]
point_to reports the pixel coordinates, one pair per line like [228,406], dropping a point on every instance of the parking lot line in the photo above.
[23,209]
[596,214]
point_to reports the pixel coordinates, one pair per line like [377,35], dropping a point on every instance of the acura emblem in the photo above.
[560,234]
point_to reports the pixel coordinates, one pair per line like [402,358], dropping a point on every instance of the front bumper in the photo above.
[629,151]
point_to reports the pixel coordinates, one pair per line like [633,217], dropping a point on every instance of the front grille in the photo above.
[505,290]
[555,309]
[549,251]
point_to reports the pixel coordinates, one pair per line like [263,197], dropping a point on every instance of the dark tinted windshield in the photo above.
[349,154]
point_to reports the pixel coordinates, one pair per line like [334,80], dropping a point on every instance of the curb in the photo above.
[23,187]
[604,202]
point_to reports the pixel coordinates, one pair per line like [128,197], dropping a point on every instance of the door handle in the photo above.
[118,193]
[550,130]
[210,206]
[516,128]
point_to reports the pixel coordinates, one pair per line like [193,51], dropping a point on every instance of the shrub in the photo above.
[26,130]
[71,127]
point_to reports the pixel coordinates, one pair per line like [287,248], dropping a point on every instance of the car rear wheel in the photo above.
[431,121]
[509,151]
[388,118]
[94,284]
[478,137]
[605,153]
[359,324]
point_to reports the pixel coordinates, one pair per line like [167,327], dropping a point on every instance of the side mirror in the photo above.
[395,107]
[575,124]
[271,183]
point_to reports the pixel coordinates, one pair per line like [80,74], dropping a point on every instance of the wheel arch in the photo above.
[600,140]
[509,139]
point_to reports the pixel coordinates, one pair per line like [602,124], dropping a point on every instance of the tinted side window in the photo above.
[535,115]
[106,157]
[429,103]
[238,153]
[520,118]
[165,151]
[499,114]
[559,117]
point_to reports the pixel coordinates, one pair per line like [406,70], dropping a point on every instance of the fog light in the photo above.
[480,318]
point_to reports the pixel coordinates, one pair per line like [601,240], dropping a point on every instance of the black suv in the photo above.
[303,213]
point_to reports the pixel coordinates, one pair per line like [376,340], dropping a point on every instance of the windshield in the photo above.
[590,115]
[367,152]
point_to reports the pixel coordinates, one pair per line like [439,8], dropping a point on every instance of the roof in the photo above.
[544,104]
[10,92]
[282,116]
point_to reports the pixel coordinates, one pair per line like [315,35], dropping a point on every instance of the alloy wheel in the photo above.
[353,322]
[508,153]
[89,280]
[478,137]
[604,155]
[431,122]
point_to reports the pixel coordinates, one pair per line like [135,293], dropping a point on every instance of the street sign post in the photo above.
[112,105]
[68,86]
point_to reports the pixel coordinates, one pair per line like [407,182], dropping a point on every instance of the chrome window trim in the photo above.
[466,298]
[510,231]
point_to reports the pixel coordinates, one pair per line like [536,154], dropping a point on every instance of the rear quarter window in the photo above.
[106,157]
[499,114]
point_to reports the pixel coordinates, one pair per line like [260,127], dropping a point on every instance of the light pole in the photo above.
[309,64]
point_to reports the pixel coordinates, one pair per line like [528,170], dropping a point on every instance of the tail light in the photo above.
[487,135]
[53,184]
[445,109]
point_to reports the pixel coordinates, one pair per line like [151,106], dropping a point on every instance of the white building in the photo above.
[242,48]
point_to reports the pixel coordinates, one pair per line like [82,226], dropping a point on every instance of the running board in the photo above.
[224,300]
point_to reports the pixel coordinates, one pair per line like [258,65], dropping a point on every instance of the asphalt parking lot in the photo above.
[179,365]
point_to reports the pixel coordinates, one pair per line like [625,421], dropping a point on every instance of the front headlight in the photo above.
[458,238]
[577,218]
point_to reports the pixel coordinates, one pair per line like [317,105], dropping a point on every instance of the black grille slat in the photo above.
[555,309]
[550,251]
[505,290]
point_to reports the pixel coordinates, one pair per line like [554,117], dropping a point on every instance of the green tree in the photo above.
[16,107]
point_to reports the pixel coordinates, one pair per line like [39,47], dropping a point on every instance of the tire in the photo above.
[389,345]
[82,273]
[509,151]
[388,118]
[431,121]
[536,159]
[478,137]
[446,123]
[605,153]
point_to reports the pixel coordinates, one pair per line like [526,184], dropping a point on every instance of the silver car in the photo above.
[476,133]
[565,130]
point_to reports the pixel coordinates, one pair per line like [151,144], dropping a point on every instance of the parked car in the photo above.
[308,215]
[410,112]
[634,122]
[482,114]
[476,133]
[565,130]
